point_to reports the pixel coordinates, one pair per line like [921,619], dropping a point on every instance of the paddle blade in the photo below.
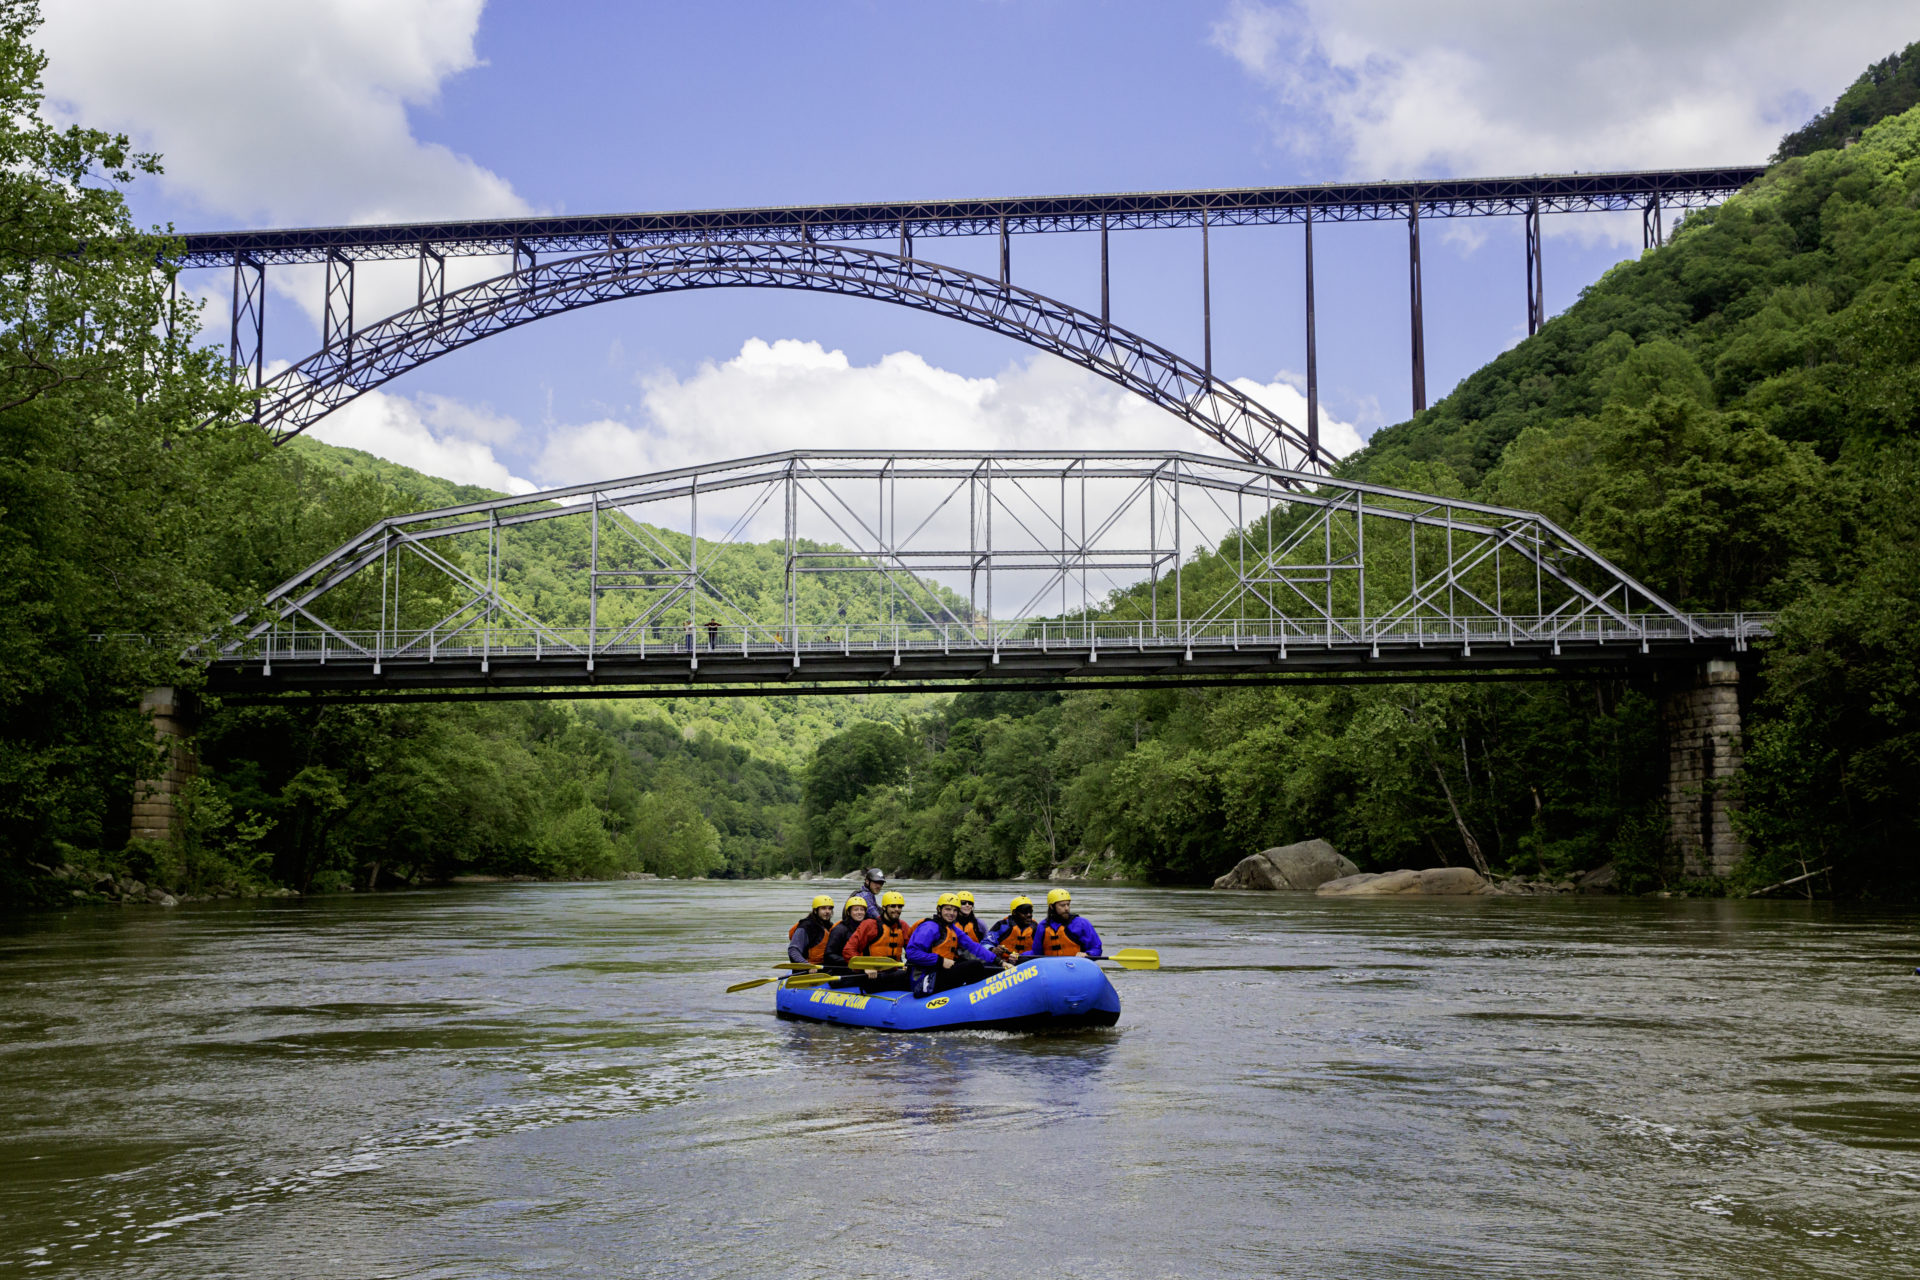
[809,980]
[795,967]
[1136,958]
[748,986]
[877,962]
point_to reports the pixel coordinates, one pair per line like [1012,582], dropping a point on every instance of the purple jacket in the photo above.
[926,935]
[1077,928]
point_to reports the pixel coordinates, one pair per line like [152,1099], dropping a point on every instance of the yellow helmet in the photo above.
[1018,903]
[821,900]
[945,900]
[856,901]
[1058,895]
[892,900]
[964,897]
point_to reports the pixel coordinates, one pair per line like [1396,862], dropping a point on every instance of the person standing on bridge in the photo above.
[807,940]
[1013,935]
[941,957]
[1063,933]
[713,633]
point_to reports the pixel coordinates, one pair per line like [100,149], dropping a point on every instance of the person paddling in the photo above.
[940,957]
[1063,933]
[850,917]
[881,935]
[967,922]
[807,940]
[1014,934]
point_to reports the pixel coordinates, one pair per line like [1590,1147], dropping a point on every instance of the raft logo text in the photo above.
[845,998]
[998,985]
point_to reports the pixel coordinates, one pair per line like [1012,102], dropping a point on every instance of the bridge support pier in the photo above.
[1705,748]
[156,814]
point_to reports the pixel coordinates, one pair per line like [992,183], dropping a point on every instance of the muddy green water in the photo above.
[519,1080]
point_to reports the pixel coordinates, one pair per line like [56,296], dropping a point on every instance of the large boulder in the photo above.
[1300,868]
[1433,882]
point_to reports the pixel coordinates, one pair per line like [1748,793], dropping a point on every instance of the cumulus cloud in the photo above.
[283,114]
[792,394]
[1403,88]
[439,435]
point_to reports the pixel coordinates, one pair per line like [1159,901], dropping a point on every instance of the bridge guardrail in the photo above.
[471,641]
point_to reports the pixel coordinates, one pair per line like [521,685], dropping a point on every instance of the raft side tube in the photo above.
[1058,993]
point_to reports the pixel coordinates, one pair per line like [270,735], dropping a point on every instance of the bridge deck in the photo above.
[319,662]
[1020,215]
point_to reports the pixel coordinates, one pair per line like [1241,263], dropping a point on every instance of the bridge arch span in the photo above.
[380,352]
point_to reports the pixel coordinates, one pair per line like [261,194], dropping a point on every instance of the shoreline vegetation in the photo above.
[1733,417]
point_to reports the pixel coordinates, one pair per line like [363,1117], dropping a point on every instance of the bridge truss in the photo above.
[820,569]
[528,243]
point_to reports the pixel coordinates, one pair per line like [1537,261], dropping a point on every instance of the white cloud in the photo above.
[279,113]
[788,394]
[269,114]
[435,434]
[1405,88]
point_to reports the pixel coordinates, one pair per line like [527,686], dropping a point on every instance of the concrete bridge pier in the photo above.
[156,814]
[1705,747]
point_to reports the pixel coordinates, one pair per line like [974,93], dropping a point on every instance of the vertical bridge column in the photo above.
[156,814]
[1704,752]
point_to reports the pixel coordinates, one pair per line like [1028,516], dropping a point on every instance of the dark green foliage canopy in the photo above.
[1886,88]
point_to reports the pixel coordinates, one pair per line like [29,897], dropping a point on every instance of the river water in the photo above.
[521,1080]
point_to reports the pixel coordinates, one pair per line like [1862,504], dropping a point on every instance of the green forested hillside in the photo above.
[1731,417]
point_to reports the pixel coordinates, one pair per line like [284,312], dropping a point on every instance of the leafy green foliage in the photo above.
[1886,88]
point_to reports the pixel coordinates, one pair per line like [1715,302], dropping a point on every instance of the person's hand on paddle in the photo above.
[946,962]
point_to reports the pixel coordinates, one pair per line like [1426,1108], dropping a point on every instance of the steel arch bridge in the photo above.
[356,361]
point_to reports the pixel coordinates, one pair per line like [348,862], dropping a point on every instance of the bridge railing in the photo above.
[285,644]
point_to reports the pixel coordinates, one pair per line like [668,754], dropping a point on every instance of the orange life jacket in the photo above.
[818,951]
[970,925]
[890,941]
[1018,937]
[1056,941]
[948,948]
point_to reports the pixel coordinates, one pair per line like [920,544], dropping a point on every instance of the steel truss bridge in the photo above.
[825,571]
[563,263]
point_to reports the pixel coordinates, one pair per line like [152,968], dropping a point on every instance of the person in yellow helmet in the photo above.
[1013,934]
[851,917]
[807,940]
[967,922]
[881,935]
[940,957]
[1063,933]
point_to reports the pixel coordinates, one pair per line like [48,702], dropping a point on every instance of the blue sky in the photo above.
[404,109]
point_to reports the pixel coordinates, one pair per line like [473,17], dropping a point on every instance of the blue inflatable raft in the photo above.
[1055,994]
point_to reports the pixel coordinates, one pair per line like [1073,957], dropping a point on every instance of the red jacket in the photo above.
[863,941]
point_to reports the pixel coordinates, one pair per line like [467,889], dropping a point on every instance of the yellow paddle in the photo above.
[1127,958]
[877,962]
[795,980]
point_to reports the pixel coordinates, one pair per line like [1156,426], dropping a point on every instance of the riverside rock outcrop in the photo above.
[1454,882]
[1298,868]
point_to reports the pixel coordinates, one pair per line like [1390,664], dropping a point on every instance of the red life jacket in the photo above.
[1017,937]
[1055,940]
[817,950]
[890,941]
